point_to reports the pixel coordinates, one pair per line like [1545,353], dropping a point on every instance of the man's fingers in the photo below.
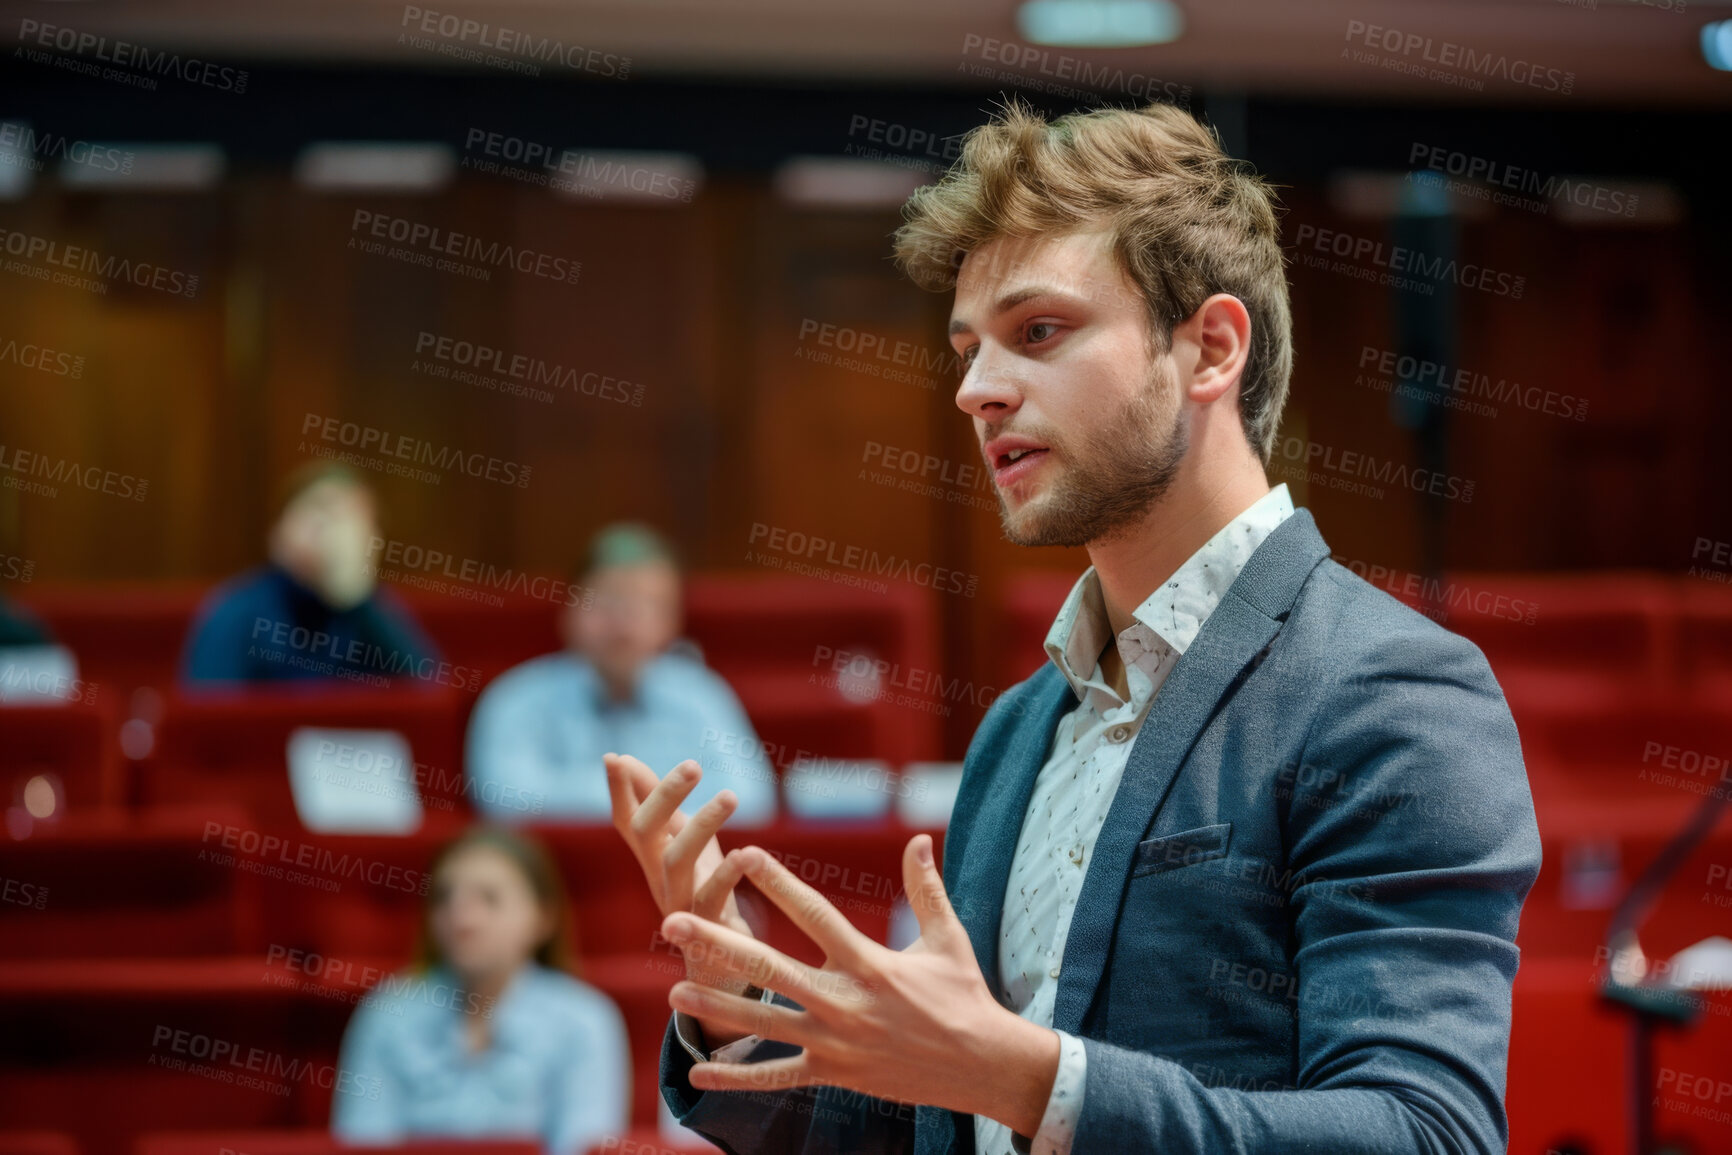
[749,1016]
[710,899]
[662,804]
[773,1076]
[680,857]
[720,950]
[638,782]
[926,894]
[619,789]
[817,919]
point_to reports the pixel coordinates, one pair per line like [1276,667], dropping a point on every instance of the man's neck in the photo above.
[1133,563]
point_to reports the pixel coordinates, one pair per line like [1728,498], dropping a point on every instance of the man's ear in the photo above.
[1221,331]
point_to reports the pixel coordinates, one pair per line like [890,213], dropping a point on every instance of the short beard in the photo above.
[1109,492]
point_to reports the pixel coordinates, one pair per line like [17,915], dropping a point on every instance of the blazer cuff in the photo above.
[1063,1105]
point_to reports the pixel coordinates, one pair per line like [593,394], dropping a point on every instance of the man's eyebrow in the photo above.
[1012,300]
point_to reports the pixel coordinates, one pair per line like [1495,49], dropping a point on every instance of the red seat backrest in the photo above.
[232,744]
[76,743]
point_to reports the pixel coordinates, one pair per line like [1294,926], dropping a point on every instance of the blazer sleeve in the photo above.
[1409,865]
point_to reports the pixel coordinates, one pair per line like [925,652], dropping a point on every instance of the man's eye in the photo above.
[1033,330]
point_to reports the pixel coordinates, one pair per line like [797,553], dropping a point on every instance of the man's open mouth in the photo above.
[1011,465]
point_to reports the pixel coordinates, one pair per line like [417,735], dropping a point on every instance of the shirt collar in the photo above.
[514,1014]
[1175,611]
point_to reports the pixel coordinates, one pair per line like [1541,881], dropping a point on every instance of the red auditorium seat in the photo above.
[111,884]
[131,1028]
[1705,642]
[231,745]
[314,1142]
[491,639]
[126,635]
[37,1143]
[776,638]
[642,1141]
[1571,640]
[77,743]
[108,1048]
[1558,919]
[1030,602]
[1627,749]
[649,1141]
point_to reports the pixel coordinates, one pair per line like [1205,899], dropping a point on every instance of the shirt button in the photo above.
[1053,973]
[1118,733]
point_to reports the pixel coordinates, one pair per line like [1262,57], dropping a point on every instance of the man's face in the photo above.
[1058,363]
[323,535]
[633,615]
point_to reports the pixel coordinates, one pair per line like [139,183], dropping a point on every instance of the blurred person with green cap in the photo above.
[623,684]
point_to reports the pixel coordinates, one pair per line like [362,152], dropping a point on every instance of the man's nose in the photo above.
[988,389]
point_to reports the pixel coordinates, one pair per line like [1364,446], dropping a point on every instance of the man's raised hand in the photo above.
[915,1026]
[681,859]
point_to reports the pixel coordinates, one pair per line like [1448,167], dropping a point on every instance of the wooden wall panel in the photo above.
[718,309]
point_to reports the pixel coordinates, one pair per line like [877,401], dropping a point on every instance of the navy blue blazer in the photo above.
[1297,929]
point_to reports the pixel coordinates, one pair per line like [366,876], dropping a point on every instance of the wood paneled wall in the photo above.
[719,310]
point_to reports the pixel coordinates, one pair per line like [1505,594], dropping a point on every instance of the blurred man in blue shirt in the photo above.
[540,729]
[314,612]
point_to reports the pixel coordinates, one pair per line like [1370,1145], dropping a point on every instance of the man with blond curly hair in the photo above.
[1240,867]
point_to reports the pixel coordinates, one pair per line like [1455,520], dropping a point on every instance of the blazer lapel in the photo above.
[978,846]
[1244,622]
[982,860]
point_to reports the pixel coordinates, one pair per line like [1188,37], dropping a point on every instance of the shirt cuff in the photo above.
[1063,1105]
[686,1029]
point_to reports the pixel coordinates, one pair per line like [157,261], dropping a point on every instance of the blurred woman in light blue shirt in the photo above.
[488,1036]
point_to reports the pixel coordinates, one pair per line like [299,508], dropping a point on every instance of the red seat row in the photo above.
[772,638]
[160,1040]
[1569,1062]
[306,1141]
[201,921]
[186,882]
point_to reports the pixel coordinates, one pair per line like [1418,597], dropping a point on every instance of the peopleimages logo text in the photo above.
[1401,259]
[145,275]
[419,235]
[26,147]
[1461,58]
[807,549]
[465,32]
[369,439]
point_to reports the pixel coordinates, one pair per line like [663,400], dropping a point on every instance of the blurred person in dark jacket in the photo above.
[314,611]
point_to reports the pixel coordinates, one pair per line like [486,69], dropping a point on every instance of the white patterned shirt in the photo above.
[1075,788]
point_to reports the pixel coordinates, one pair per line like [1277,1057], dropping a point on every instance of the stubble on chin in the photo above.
[1105,494]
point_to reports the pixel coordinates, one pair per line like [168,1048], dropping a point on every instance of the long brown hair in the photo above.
[557,951]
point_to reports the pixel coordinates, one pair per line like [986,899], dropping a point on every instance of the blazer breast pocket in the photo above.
[1186,848]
